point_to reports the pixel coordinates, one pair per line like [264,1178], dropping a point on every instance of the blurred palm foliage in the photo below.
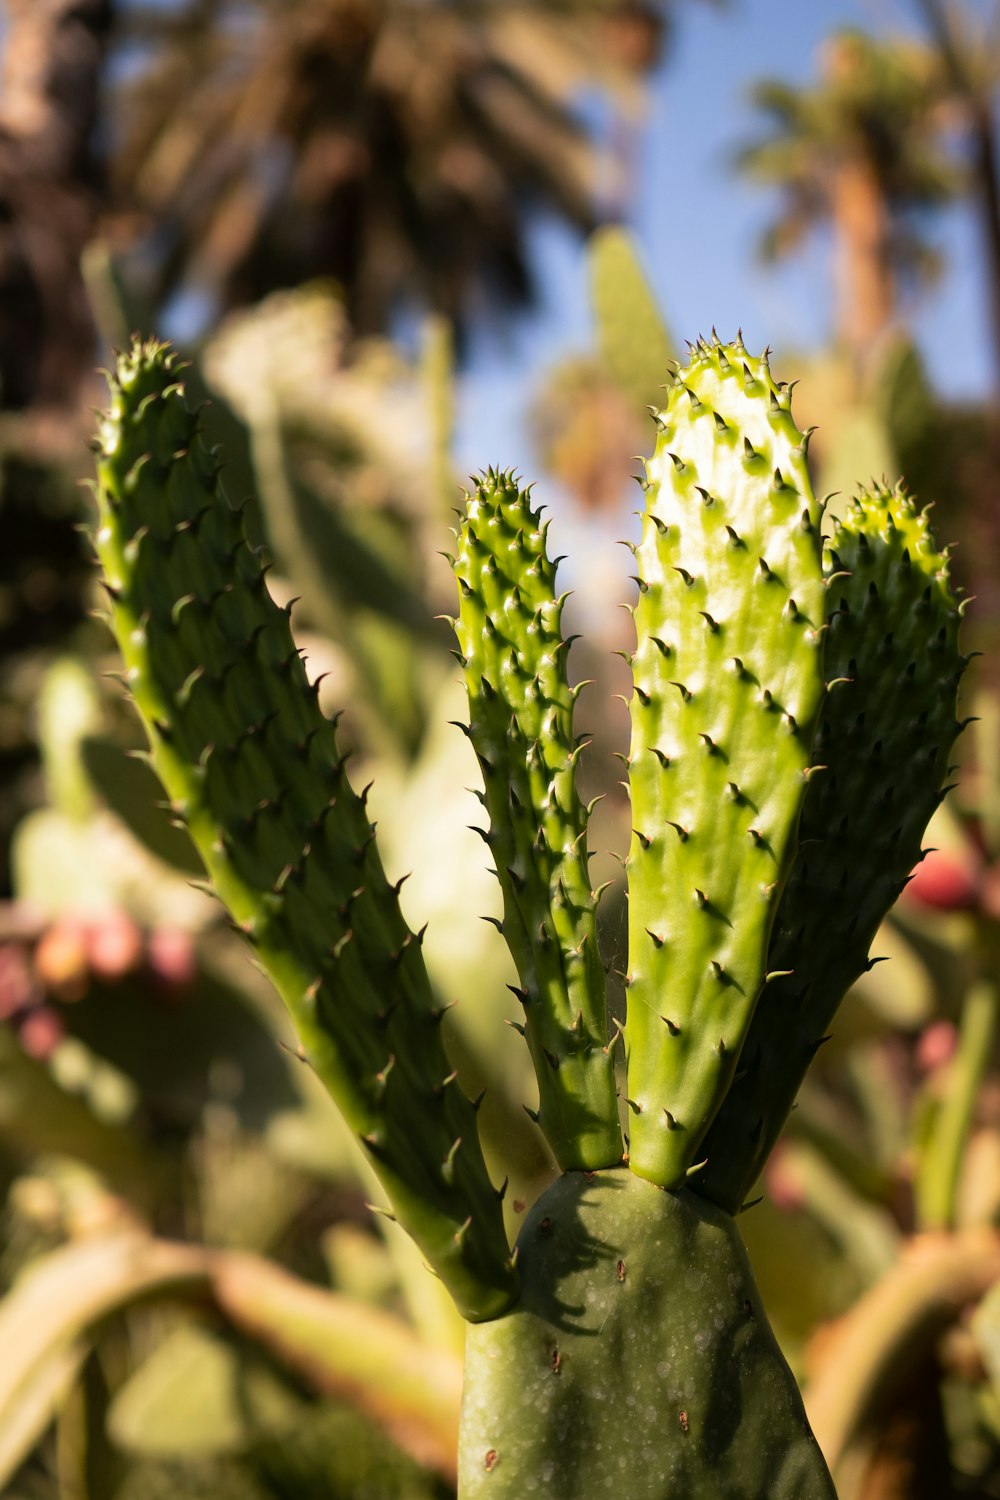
[863,150]
[187,158]
[385,143]
[193,1293]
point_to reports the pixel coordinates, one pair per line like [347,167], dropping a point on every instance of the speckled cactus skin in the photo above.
[886,731]
[521,725]
[727,687]
[637,1364]
[252,767]
[791,723]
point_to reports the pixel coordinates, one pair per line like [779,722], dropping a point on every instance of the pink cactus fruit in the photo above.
[114,945]
[60,959]
[783,1186]
[41,1031]
[936,1046]
[18,988]
[171,955]
[945,880]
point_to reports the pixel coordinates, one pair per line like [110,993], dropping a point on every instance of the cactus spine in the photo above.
[627,1349]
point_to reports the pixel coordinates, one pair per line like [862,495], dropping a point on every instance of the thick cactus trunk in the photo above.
[638,1363]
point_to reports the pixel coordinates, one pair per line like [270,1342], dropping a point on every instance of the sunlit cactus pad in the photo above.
[728,680]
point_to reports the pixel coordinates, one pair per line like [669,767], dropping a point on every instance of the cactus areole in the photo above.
[792,715]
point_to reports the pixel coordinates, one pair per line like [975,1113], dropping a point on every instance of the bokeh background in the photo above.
[399,240]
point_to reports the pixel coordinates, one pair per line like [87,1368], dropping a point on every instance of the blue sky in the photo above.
[698,226]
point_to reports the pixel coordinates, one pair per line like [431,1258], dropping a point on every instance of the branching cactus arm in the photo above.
[521,726]
[727,687]
[887,727]
[252,767]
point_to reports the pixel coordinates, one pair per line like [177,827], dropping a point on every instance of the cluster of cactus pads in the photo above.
[792,716]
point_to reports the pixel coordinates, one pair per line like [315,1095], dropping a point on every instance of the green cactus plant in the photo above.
[792,715]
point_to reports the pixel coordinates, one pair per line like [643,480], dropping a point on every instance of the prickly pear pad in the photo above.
[638,1361]
[727,685]
[521,726]
[885,735]
[252,767]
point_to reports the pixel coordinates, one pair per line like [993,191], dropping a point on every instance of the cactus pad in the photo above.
[727,686]
[521,726]
[886,731]
[252,767]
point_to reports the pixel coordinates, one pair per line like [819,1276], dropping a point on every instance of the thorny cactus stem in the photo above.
[251,766]
[521,727]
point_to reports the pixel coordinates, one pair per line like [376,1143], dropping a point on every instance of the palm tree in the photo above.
[390,144]
[862,151]
[971,58]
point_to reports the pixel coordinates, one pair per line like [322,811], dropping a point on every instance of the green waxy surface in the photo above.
[886,731]
[637,1364]
[727,687]
[521,726]
[252,767]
